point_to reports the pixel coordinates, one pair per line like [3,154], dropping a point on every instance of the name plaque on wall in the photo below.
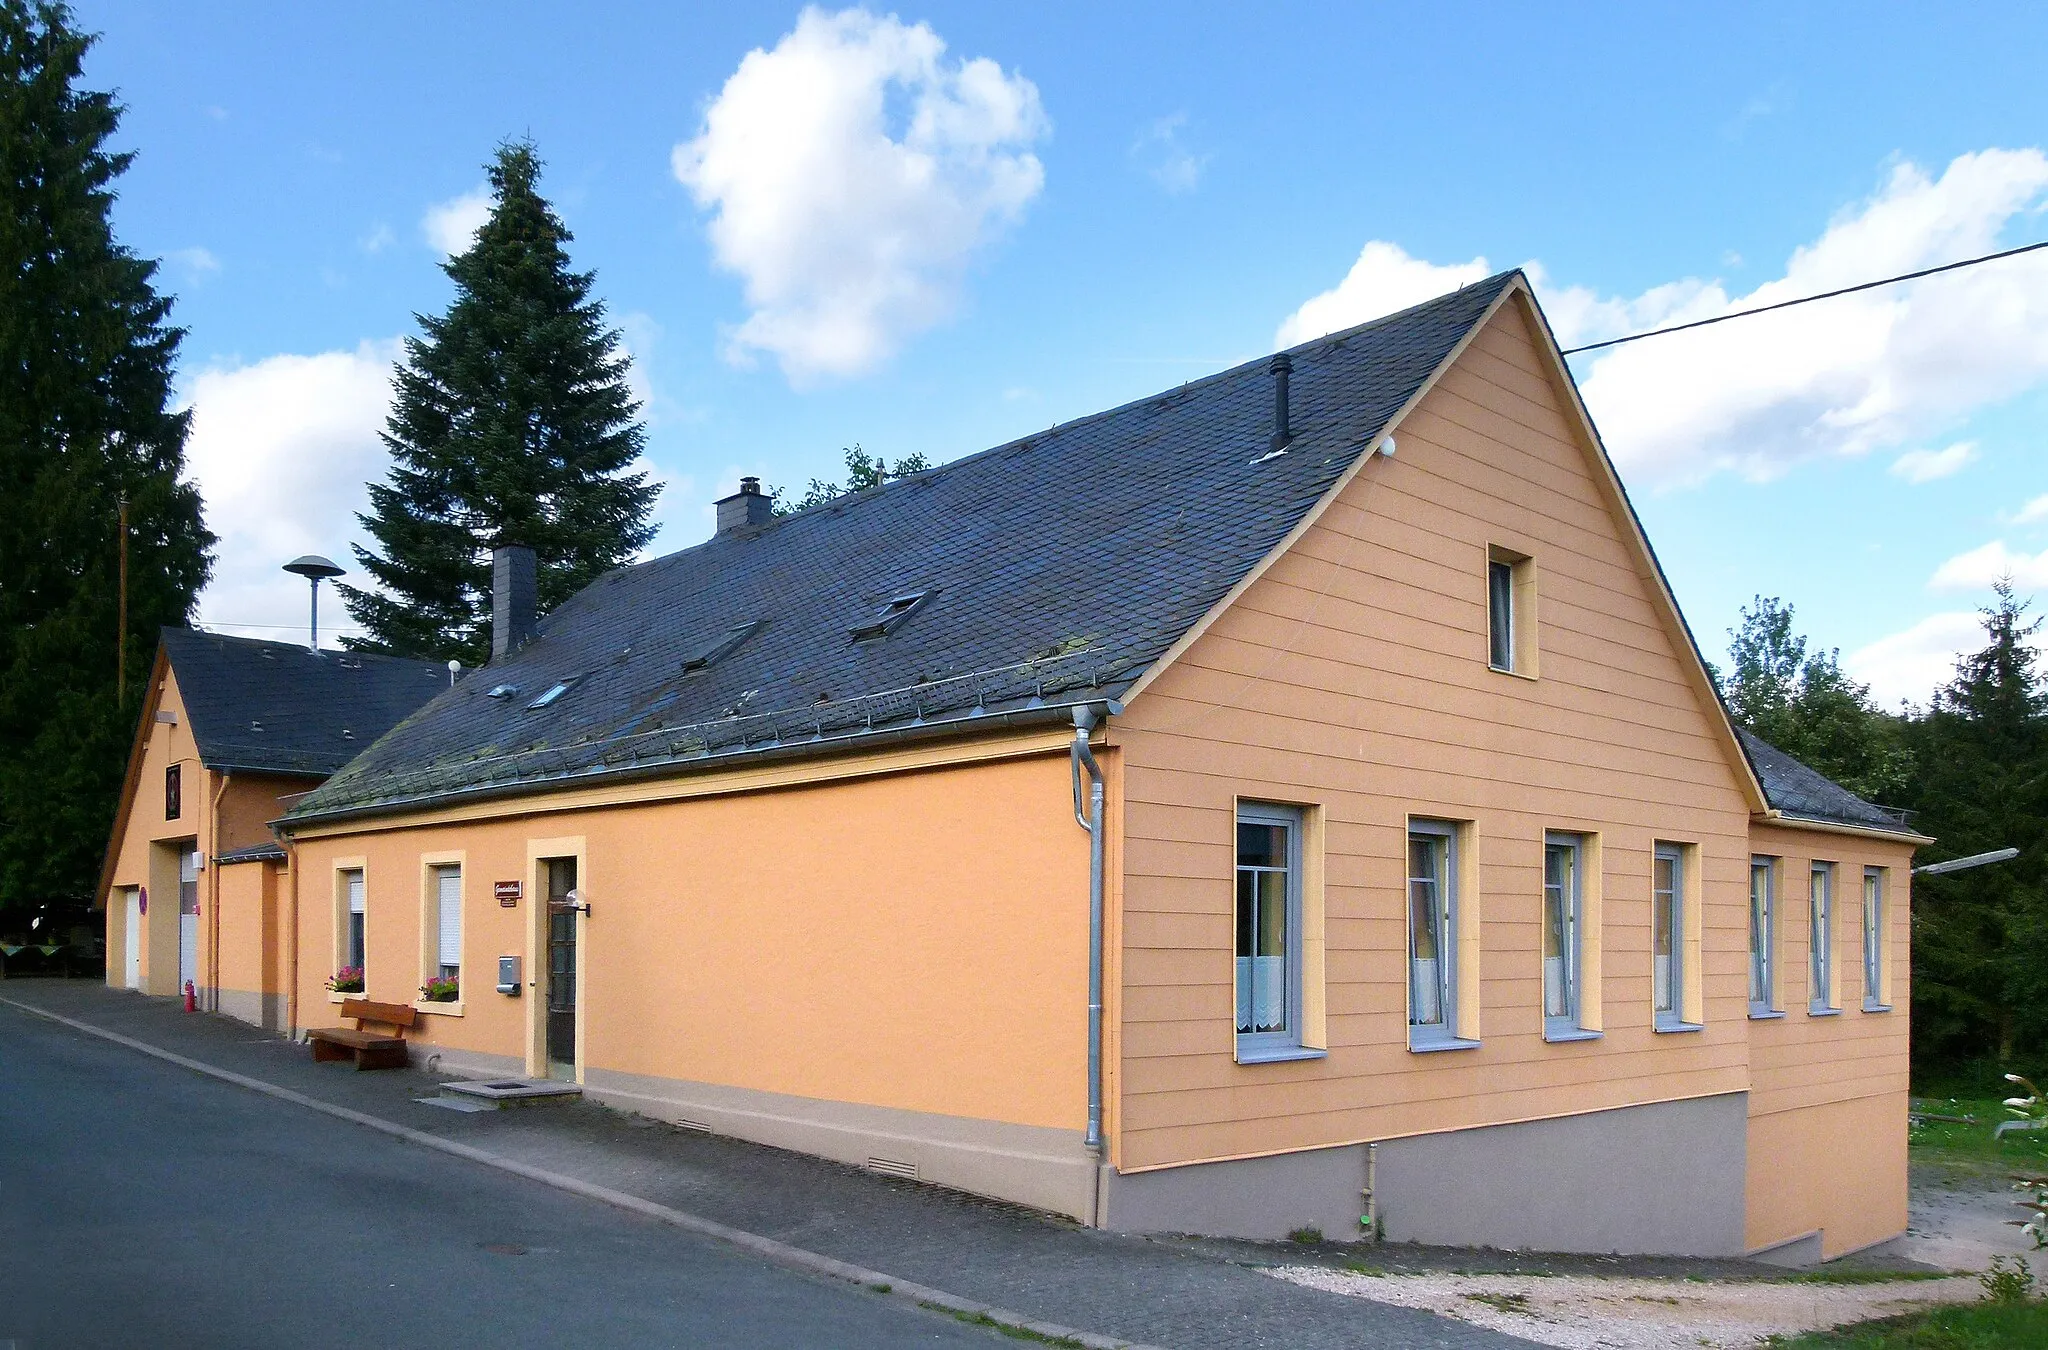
[508,893]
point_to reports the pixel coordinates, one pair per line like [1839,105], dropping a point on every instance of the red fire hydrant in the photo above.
[191,998]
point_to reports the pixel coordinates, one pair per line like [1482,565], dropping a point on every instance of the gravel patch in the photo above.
[1594,1313]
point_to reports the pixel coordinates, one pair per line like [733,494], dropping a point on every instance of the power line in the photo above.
[1809,299]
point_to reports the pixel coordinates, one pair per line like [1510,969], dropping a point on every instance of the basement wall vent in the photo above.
[889,1167]
[693,1126]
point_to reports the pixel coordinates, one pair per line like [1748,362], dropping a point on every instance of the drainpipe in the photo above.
[1085,719]
[291,987]
[213,891]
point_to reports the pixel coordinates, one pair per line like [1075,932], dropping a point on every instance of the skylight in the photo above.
[551,693]
[890,617]
[711,650]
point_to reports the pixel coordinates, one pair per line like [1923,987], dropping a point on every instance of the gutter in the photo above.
[1776,817]
[855,742]
[1085,719]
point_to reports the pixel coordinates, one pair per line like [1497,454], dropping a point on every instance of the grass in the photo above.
[1507,1303]
[1972,1146]
[1014,1333]
[1857,1276]
[1968,1326]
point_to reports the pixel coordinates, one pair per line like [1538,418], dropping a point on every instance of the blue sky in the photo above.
[932,229]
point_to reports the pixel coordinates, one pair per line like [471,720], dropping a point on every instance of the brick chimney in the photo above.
[514,598]
[748,506]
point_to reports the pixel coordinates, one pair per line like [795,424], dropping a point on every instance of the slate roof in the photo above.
[1056,569]
[1800,792]
[275,707]
[264,852]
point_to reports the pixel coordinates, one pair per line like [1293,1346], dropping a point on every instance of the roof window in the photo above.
[553,692]
[710,651]
[891,616]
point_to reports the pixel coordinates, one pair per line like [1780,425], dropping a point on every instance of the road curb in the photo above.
[767,1248]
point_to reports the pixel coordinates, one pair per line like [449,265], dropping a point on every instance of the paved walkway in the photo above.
[1163,1293]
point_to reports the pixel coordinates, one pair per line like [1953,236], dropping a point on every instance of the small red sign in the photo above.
[508,893]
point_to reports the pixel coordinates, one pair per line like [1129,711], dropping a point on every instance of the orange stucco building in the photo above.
[1427,881]
[233,730]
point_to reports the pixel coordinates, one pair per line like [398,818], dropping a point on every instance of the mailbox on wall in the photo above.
[508,975]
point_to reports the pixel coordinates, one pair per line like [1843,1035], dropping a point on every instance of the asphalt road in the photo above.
[141,1204]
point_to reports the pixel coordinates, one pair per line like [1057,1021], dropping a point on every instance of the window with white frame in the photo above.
[1763,928]
[352,887]
[1667,936]
[1510,611]
[1820,912]
[1433,1013]
[1564,916]
[448,912]
[1269,922]
[1873,940]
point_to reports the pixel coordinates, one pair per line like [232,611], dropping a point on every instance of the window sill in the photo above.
[1823,1012]
[1877,1007]
[435,1009]
[333,997]
[1561,1036]
[1668,1026]
[1444,1043]
[1279,1054]
[1503,670]
[1765,1014]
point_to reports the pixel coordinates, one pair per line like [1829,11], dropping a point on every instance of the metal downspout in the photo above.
[1084,759]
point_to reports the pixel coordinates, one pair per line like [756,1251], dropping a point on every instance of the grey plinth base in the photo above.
[515,1092]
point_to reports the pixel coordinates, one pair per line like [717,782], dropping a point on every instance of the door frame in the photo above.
[132,943]
[538,852]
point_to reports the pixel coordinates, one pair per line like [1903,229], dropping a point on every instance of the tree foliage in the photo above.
[863,471]
[86,419]
[511,422]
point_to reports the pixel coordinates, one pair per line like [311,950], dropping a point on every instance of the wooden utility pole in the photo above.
[121,640]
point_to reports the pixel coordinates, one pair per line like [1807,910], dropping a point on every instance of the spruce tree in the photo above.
[86,357]
[511,421]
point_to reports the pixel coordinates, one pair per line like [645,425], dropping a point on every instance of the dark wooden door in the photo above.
[562,963]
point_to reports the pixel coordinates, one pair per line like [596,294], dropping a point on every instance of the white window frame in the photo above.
[1568,902]
[1875,882]
[1257,1047]
[1820,938]
[1438,985]
[1500,614]
[443,968]
[1763,937]
[355,923]
[1671,905]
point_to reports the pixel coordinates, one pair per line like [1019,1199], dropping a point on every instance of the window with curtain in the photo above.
[448,895]
[1500,614]
[1268,930]
[1821,940]
[1433,1014]
[354,888]
[1873,940]
[1563,945]
[1763,919]
[1667,936]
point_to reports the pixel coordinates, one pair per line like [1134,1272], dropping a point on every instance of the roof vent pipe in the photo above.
[1283,432]
[514,598]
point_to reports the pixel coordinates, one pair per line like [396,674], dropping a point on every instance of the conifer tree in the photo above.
[511,421]
[86,418]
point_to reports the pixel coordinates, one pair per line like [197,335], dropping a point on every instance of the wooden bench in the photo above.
[368,1050]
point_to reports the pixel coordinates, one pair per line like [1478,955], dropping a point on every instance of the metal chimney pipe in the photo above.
[1283,432]
[315,569]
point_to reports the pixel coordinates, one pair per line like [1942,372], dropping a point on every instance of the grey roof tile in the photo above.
[275,707]
[1059,567]
[1798,791]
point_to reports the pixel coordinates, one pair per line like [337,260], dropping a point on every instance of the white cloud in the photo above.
[1911,665]
[451,226]
[1924,466]
[197,262]
[1383,280]
[1165,158]
[281,450]
[1849,375]
[851,173]
[378,239]
[1846,376]
[2034,512]
[1978,568]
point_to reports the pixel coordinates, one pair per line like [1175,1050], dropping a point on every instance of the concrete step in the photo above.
[502,1092]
